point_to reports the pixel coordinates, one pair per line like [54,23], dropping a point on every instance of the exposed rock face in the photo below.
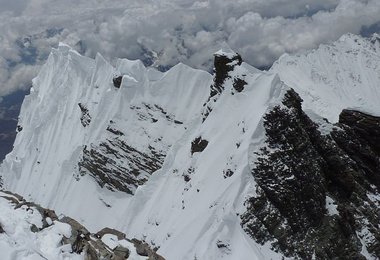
[143,249]
[117,162]
[115,232]
[198,145]
[85,119]
[103,162]
[117,81]
[239,84]
[92,246]
[314,190]
[366,127]
[224,65]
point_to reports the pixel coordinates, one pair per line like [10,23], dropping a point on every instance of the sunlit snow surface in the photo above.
[19,242]
[345,74]
[187,220]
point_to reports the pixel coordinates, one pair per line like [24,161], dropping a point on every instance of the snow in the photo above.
[168,211]
[19,242]
[374,198]
[345,74]
[366,238]
[225,51]
[186,220]
[112,242]
[332,208]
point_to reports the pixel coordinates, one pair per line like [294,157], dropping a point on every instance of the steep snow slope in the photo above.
[145,110]
[48,149]
[163,157]
[345,74]
[204,192]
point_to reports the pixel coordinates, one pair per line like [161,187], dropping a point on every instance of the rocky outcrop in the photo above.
[117,81]
[239,84]
[85,118]
[365,127]
[144,249]
[105,162]
[91,246]
[198,145]
[224,65]
[316,191]
[117,163]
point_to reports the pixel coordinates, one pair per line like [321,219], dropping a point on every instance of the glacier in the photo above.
[121,156]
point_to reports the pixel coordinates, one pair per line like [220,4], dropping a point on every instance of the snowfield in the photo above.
[190,207]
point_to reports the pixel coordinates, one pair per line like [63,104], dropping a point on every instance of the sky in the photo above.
[165,32]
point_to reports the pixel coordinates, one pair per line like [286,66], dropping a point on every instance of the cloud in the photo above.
[262,40]
[166,32]
[19,78]
[15,7]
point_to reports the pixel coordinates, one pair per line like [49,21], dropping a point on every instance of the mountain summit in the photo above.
[242,164]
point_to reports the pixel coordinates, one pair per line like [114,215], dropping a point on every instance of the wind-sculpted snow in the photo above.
[345,74]
[168,158]
[59,132]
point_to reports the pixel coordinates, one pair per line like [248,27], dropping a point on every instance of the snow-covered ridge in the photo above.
[83,89]
[45,164]
[28,231]
[344,74]
[153,185]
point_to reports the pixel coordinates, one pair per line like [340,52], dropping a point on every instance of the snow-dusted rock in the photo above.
[29,231]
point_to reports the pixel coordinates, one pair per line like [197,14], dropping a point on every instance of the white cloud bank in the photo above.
[176,30]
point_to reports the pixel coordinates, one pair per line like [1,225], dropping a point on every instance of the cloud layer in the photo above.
[166,32]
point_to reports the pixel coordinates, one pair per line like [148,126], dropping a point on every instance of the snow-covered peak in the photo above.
[133,68]
[226,51]
[65,48]
[168,157]
[355,42]
[122,140]
[75,104]
[344,74]
[348,38]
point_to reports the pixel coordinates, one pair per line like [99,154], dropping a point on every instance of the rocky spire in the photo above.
[225,62]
